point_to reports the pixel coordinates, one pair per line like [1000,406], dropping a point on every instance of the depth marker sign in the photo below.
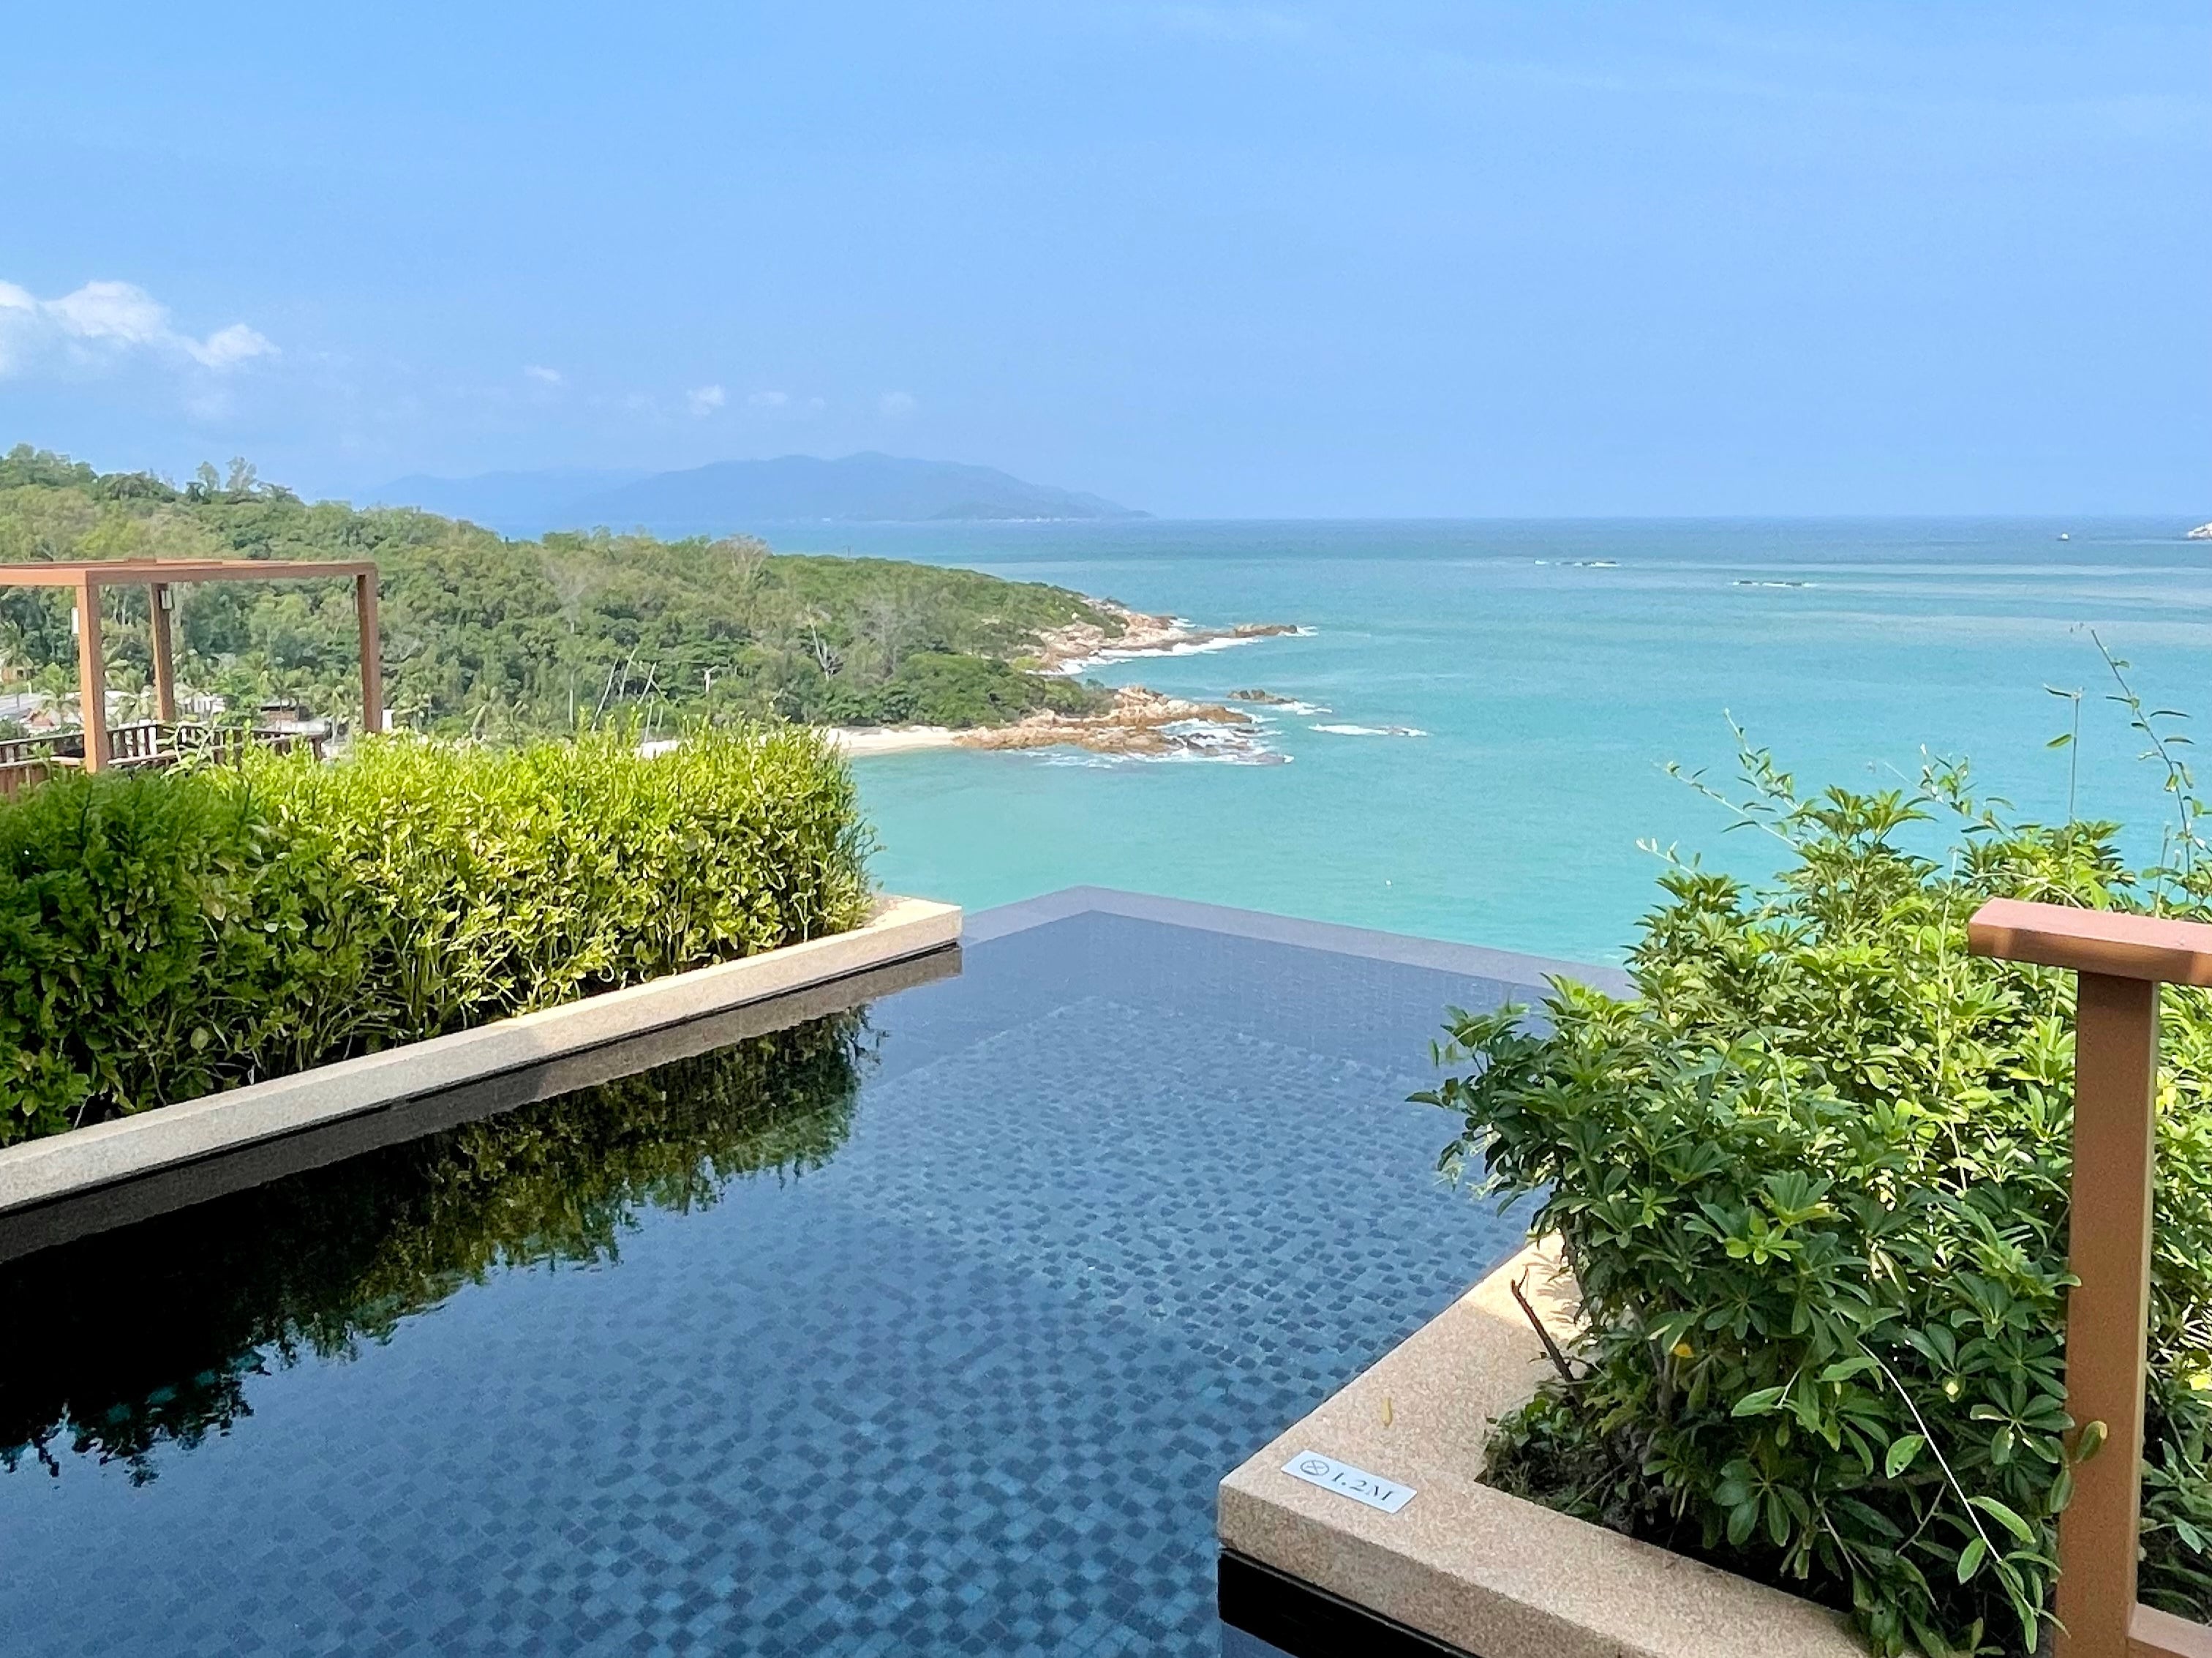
[1346,1480]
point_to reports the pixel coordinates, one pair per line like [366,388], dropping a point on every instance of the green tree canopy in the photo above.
[501,637]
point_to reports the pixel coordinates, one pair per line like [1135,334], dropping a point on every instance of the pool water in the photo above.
[924,1326]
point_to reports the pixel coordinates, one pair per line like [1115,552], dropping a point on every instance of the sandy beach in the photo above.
[856,740]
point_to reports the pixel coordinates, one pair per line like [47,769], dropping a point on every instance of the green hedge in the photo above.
[166,934]
[1815,1183]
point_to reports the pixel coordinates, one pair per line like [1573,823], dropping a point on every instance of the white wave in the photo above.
[1747,584]
[1196,741]
[1112,655]
[1256,754]
[1370,730]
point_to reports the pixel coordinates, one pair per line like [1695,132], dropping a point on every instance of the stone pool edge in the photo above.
[1463,1568]
[63,1164]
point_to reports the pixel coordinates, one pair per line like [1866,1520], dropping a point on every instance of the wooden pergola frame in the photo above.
[157,575]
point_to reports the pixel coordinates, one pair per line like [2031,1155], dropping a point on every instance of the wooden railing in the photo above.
[2122,959]
[16,776]
[142,742]
[227,742]
[21,751]
[27,761]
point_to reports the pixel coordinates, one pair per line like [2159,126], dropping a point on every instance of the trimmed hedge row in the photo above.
[166,934]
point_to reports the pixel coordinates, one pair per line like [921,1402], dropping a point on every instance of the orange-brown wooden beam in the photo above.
[2108,1312]
[2155,1634]
[372,652]
[165,666]
[2122,961]
[91,676]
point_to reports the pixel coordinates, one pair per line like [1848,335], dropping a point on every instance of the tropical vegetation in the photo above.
[501,638]
[165,935]
[1813,1181]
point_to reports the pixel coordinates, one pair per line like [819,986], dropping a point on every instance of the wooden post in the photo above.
[91,675]
[2122,961]
[372,654]
[2108,1313]
[165,668]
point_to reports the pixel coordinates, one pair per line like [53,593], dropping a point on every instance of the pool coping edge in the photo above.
[1470,1566]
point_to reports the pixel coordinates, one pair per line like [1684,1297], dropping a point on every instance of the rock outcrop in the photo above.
[1141,722]
[1079,645]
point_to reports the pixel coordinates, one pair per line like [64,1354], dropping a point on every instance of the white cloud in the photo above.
[104,322]
[705,399]
[226,348]
[768,399]
[111,310]
[545,376]
[897,405]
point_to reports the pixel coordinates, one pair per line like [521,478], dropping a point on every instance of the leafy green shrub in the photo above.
[165,935]
[119,903]
[1813,1183]
[935,688]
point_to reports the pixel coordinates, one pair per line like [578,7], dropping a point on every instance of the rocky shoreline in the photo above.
[1141,722]
[1081,645]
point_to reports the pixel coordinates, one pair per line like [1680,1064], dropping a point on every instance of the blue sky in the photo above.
[1281,261]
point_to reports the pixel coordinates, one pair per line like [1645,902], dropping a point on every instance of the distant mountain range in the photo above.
[735,496]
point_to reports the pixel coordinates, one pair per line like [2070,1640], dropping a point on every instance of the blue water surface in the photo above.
[1555,668]
[927,1333]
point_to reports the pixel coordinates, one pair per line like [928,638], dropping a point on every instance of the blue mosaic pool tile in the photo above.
[967,1389]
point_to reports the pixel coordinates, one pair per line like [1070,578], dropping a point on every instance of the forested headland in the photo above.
[497,638]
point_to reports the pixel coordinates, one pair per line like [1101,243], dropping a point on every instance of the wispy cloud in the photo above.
[705,399]
[765,400]
[105,323]
[897,405]
[543,375]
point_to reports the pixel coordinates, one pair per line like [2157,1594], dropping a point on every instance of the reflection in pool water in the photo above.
[146,1336]
[928,1330]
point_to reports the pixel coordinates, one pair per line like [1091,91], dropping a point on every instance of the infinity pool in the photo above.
[917,1315]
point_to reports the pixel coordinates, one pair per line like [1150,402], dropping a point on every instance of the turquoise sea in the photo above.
[1553,669]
